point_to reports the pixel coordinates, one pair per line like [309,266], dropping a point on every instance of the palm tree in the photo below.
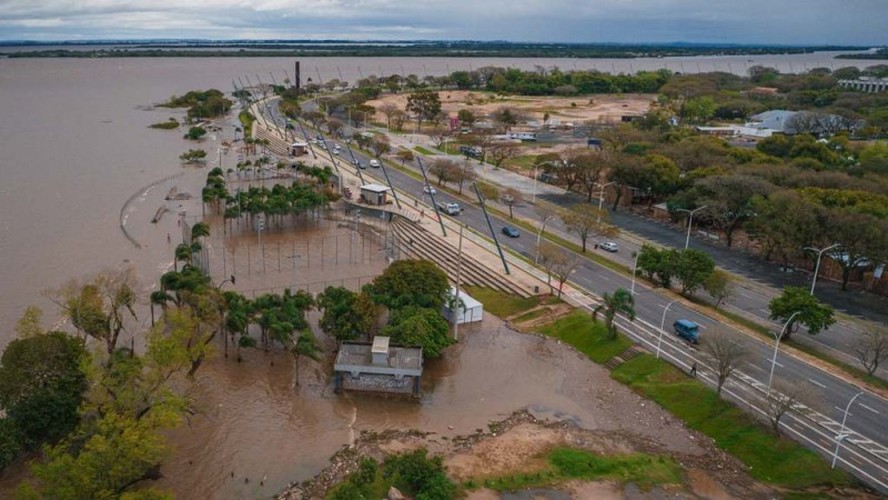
[158,297]
[620,302]
[303,345]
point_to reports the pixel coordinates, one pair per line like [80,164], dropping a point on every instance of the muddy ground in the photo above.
[562,110]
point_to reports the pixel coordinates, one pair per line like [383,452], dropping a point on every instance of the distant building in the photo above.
[866,84]
[776,120]
[718,131]
[378,367]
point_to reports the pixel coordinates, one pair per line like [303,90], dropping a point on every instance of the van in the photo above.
[687,330]
[450,208]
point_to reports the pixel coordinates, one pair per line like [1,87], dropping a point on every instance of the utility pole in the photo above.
[457,299]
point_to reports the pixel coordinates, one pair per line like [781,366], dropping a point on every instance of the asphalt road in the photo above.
[866,450]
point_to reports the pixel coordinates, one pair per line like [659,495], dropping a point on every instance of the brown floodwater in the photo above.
[78,161]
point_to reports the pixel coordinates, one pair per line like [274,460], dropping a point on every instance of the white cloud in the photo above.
[748,21]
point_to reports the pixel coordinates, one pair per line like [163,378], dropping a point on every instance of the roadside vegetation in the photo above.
[771,458]
[415,474]
[567,464]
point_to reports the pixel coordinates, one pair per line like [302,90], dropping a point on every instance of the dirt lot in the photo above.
[562,110]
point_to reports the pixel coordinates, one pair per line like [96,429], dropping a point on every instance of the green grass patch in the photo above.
[502,304]
[771,459]
[522,162]
[567,464]
[538,313]
[170,124]
[246,120]
[424,151]
[640,468]
[587,336]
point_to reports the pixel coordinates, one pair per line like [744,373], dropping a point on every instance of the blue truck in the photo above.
[687,330]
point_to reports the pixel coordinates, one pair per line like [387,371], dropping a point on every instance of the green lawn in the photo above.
[771,459]
[501,304]
[587,336]
[566,464]
[424,151]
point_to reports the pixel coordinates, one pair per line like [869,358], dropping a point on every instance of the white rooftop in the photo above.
[380,345]
[375,188]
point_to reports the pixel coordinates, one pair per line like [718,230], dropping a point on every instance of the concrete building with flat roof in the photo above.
[378,366]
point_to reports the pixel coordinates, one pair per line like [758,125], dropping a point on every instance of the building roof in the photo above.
[358,357]
[468,301]
[375,188]
[775,119]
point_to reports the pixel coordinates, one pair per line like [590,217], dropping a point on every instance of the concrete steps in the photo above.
[275,144]
[623,357]
[416,242]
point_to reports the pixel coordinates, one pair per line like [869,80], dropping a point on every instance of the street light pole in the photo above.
[601,198]
[690,221]
[841,435]
[539,236]
[817,266]
[634,273]
[662,324]
[776,345]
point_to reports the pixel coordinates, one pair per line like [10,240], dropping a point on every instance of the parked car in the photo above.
[609,246]
[511,232]
[429,189]
[374,163]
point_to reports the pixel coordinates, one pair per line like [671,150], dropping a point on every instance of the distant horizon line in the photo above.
[259,41]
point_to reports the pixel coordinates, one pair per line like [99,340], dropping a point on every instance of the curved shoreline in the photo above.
[141,192]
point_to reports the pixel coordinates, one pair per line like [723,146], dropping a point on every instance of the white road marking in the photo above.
[868,408]
[816,383]
[842,411]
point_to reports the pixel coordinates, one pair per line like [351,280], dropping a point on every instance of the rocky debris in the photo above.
[395,494]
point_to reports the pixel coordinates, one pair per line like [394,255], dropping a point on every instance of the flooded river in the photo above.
[79,162]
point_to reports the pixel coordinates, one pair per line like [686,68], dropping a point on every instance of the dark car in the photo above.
[511,232]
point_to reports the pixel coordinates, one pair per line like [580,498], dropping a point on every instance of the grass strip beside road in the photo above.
[502,304]
[772,459]
[587,336]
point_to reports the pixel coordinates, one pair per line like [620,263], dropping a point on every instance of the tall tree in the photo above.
[410,282]
[511,197]
[99,308]
[727,355]
[692,267]
[42,385]
[620,302]
[425,104]
[729,199]
[872,348]
[796,306]
[585,218]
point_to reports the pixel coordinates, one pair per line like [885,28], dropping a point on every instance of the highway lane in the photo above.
[867,417]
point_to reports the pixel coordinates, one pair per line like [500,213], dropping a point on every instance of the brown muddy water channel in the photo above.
[256,431]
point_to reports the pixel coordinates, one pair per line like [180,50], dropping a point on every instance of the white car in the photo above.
[374,163]
[429,189]
[609,246]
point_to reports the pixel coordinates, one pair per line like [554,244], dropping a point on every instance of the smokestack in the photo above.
[298,78]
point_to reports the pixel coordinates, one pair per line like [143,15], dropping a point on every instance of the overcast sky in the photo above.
[820,22]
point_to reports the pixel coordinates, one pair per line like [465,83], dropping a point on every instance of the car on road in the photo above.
[609,246]
[511,232]
[360,165]
[687,330]
[374,163]
[429,189]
